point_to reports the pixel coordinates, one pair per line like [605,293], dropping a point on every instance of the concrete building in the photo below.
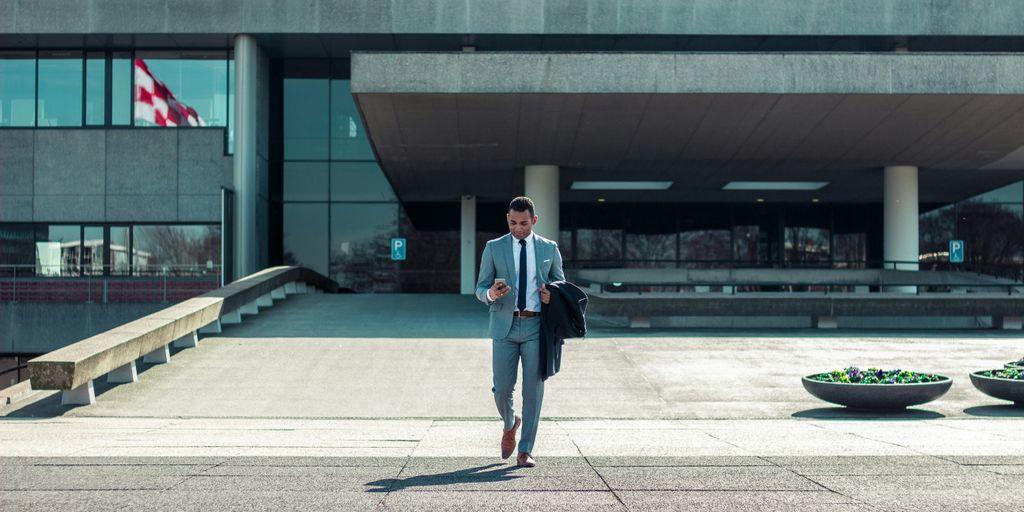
[653,134]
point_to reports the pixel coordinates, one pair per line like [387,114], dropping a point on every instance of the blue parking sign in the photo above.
[956,251]
[398,248]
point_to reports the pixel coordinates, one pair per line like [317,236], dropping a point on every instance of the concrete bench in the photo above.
[72,369]
[1005,309]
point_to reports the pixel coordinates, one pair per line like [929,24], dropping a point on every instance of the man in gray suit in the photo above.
[514,270]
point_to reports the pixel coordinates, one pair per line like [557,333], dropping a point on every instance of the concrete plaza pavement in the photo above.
[308,405]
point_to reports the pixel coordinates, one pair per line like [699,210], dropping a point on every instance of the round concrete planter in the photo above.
[1015,365]
[877,397]
[1003,389]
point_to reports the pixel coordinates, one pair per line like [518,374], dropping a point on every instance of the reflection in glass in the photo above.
[119,250]
[17,247]
[17,89]
[745,240]
[433,267]
[807,244]
[57,251]
[993,236]
[121,89]
[851,250]
[650,250]
[935,229]
[565,245]
[348,139]
[361,246]
[60,89]
[304,238]
[305,181]
[1012,193]
[599,244]
[197,79]
[95,89]
[305,119]
[359,181]
[92,250]
[187,250]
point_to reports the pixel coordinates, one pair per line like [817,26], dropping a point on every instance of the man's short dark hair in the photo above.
[522,204]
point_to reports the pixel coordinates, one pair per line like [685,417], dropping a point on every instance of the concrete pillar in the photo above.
[82,395]
[467,251]
[211,328]
[900,218]
[265,301]
[541,184]
[246,188]
[161,355]
[190,340]
[231,317]
[123,374]
[250,308]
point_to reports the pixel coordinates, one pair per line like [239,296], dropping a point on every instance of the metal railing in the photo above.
[917,279]
[1014,271]
[106,284]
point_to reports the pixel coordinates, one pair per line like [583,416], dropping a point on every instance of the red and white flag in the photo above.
[155,103]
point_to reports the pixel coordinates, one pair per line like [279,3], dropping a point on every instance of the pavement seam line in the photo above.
[594,469]
[773,463]
[391,486]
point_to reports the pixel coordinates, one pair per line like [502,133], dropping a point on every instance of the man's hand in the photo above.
[498,290]
[545,294]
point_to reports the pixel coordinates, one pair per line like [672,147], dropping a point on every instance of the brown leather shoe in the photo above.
[524,460]
[508,439]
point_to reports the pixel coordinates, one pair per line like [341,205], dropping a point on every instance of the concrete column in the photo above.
[541,184]
[900,220]
[82,395]
[467,252]
[123,374]
[246,190]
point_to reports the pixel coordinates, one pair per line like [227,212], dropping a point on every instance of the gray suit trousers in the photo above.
[522,343]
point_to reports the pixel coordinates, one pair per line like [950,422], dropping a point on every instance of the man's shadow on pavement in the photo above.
[477,474]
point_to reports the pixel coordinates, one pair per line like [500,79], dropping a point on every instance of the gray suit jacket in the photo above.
[497,261]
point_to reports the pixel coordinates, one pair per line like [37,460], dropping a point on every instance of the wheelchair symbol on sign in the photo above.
[398,248]
[956,251]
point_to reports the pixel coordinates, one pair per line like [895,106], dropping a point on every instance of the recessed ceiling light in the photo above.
[814,199]
[600,199]
[760,199]
[775,185]
[621,185]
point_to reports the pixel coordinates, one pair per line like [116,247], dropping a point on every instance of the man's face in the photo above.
[520,224]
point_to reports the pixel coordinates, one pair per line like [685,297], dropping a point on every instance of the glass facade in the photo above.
[991,226]
[95,89]
[339,213]
[17,88]
[60,89]
[69,88]
[68,250]
[197,79]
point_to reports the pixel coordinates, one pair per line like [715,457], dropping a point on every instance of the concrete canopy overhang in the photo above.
[451,124]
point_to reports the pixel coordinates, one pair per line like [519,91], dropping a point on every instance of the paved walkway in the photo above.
[271,415]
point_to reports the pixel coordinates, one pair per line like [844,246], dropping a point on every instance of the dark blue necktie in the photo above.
[521,300]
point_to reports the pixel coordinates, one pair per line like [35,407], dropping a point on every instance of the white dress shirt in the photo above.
[532,295]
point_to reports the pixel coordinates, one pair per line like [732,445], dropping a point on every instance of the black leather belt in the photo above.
[525,314]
